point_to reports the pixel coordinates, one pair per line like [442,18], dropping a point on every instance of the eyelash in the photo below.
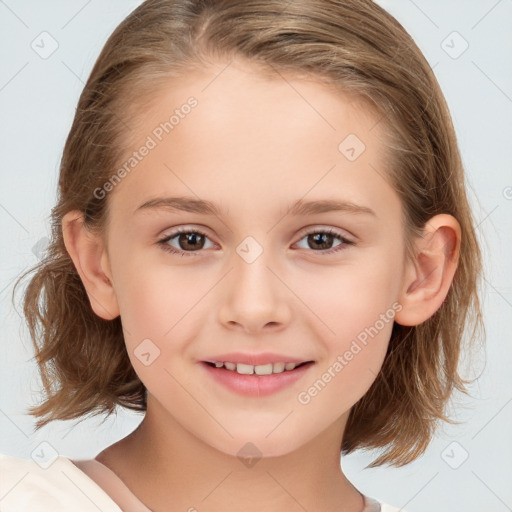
[166,247]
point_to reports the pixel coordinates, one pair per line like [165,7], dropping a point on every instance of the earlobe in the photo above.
[91,261]
[429,275]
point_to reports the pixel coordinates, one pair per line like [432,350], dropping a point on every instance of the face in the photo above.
[255,276]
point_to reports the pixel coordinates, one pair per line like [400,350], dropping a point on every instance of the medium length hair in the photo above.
[357,48]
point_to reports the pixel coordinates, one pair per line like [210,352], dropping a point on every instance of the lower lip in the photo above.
[256,385]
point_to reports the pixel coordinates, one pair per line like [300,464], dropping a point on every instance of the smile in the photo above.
[256,381]
[249,369]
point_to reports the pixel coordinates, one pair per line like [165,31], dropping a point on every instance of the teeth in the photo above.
[278,368]
[263,369]
[245,369]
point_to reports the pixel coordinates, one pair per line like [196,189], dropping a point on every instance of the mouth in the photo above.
[256,381]
[249,369]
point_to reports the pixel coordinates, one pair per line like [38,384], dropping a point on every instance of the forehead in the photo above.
[236,137]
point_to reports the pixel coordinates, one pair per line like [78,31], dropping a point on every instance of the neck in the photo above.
[161,463]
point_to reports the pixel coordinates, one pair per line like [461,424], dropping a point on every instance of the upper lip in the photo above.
[255,359]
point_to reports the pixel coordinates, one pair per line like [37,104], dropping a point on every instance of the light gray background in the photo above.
[37,103]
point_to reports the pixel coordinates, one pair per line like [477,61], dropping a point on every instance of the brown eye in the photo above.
[188,241]
[321,241]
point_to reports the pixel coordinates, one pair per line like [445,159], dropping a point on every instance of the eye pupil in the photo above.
[191,240]
[321,239]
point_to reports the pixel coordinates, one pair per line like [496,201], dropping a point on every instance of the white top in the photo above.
[80,486]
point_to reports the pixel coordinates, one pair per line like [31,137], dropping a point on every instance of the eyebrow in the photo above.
[299,207]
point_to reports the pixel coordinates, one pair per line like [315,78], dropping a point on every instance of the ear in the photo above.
[90,258]
[428,277]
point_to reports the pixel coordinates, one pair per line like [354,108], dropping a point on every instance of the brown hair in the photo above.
[353,45]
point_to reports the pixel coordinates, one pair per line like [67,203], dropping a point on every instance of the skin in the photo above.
[252,146]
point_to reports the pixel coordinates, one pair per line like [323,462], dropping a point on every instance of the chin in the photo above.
[249,448]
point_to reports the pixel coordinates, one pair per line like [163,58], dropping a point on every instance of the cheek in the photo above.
[162,308]
[354,313]
[352,297]
[153,296]
[353,347]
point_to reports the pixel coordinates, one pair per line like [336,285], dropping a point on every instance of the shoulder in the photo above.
[374,505]
[55,486]
[384,507]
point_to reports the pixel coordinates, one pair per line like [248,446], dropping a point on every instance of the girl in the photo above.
[263,241]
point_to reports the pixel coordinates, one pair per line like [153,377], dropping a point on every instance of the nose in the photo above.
[254,296]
